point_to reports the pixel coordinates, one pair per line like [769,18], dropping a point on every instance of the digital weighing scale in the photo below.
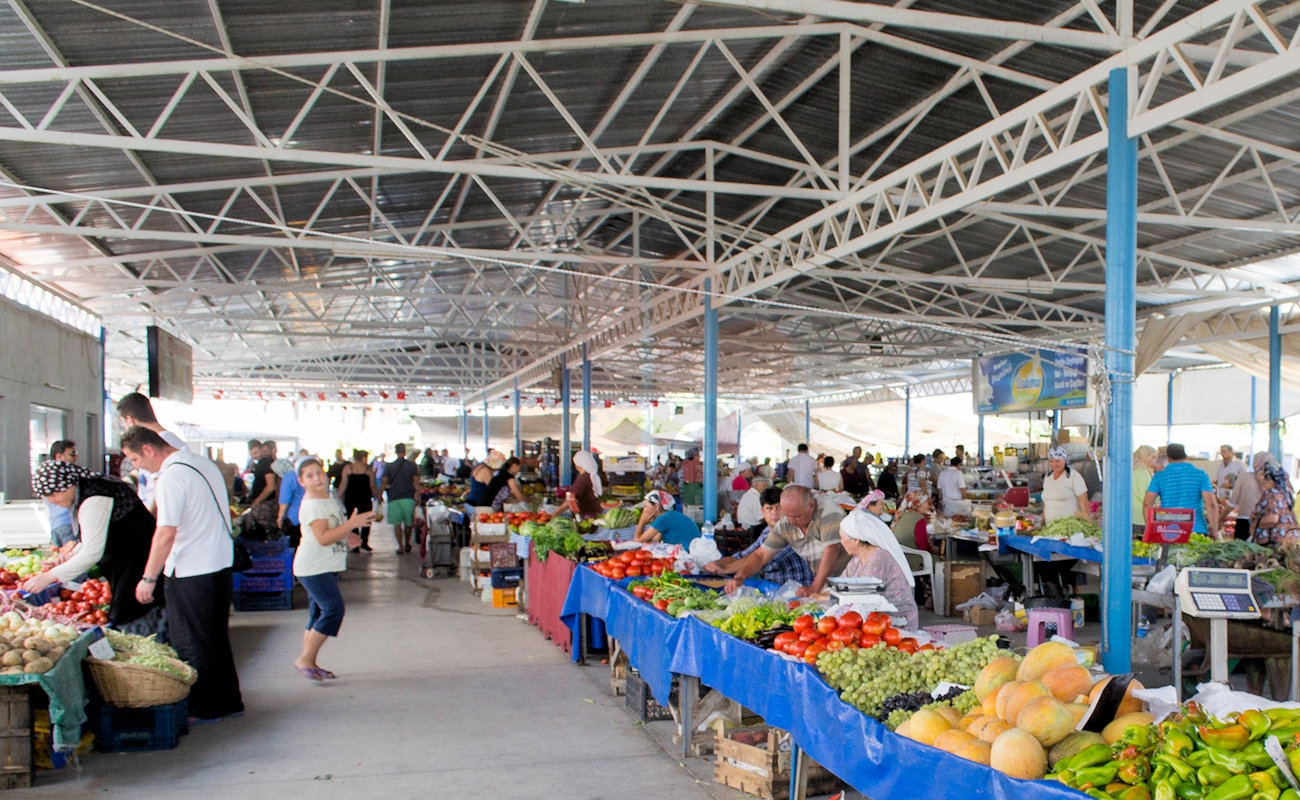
[865,592]
[1217,595]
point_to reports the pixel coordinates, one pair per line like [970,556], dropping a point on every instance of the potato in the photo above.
[56,653]
[11,671]
[38,666]
[37,643]
[31,655]
[13,658]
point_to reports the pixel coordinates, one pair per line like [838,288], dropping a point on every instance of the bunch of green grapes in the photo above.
[865,678]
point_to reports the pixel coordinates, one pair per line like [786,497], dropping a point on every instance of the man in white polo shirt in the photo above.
[193,549]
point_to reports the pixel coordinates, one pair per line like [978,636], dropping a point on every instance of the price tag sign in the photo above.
[102,650]
[1169,525]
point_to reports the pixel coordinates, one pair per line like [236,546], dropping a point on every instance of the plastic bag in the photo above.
[704,551]
[982,600]
[435,513]
[1163,581]
[787,591]
[1006,622]
[726,523]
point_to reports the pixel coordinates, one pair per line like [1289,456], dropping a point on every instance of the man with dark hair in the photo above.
[135,410]
[402,482]
[802,470]
[60,517]
[192,553]
[1184,485]
[264,493]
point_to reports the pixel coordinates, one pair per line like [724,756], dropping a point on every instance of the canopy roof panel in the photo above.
[453,198]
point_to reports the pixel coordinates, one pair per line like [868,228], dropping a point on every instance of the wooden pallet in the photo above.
[618,666]
[764,769]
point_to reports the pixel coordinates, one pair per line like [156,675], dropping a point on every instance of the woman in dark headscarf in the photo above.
[115,531]
[1273,517]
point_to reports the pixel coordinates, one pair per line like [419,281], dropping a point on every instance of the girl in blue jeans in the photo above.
[321,556]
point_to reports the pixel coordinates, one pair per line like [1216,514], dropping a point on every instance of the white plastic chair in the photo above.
[928,568]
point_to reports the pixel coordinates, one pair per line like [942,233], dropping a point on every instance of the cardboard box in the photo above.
[1062,436]
[980,616]
[965,582]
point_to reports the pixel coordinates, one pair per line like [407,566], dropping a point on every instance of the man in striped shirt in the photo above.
[1184,485]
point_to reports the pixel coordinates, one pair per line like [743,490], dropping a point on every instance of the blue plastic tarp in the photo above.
[791,695]
[1044,548]
[588,594]
[649,638]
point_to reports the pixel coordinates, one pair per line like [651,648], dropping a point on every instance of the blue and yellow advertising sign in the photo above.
[1031,381]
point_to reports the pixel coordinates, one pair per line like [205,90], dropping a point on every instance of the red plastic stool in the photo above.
[1039,618]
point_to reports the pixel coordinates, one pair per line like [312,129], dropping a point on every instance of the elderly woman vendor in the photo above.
[876,554]
[116,533]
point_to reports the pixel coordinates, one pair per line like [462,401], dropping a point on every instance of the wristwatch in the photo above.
[144,579]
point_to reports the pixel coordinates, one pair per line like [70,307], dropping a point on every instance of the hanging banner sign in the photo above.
[1035,380]
[1169,525]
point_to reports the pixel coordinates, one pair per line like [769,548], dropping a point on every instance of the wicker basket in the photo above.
[126,685]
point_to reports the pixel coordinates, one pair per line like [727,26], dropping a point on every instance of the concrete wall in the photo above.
[38,354]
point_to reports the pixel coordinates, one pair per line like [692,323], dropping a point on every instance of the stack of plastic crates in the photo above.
[268,584]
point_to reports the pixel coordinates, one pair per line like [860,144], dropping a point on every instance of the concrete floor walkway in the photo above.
[439,696]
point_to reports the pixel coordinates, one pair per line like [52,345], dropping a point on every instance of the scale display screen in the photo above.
[1203,579]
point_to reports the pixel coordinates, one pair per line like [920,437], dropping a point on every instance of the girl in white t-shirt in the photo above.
[321,556]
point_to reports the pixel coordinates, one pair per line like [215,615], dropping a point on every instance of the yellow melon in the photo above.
[925,725]
[951,714]
[1077,710]
[1047,719]
[995,673]
[1001,696]
[1044,657]
[1018,754]
[1021,695]
[948,739]
[1128,705]
[1115,729]
[1068,682]
[991,730]
[972,750]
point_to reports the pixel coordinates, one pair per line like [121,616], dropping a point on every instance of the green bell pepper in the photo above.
[1138,736]
[1098,794]
[1176,741]
[1256,756]
[1264,785]
[1096,776]
[1190,791]
[1238,787]
[1165,791]
[1090,756]
[1234,762]
[1212,775]
[1135,793]
[1134,770]
[1255,721]
[1198,759]
[1289,794]
[1185,771]
[1293,758]
[1229,737]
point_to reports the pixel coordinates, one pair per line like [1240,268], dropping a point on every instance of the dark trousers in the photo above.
[198,621]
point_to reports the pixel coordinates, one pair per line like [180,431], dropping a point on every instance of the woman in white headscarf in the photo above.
[876,554]
[584,494]
[1064,492]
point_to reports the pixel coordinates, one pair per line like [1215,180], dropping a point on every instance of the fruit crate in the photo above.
[264,601]
[505,598]
[507,578]
[752,760]
[16,762]
[125,730]
[247,582]
[274,564]
[642,703]
[272,548]
[504,555]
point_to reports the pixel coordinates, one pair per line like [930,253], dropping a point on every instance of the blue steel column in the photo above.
[586,399]
[1169,410]
[1251,454]
[739,425]
[980,443]
[566,459]
[710,455]
[807,425]
[907,424]
[1121,312]
[464,427]
[487,446]
[1274,386]
[519,439]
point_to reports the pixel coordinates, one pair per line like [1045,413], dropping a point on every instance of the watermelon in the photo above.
[621,517]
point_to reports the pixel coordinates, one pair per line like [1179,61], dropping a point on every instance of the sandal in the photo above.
[311,673]
[326,674]
[408,548]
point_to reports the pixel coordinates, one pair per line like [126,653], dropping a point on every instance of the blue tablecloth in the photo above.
[648,636]
[861,751]
[1044,548]
[588,594]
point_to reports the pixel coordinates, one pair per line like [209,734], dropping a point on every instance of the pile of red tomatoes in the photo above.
[812,636]
[632,564]
[88,605]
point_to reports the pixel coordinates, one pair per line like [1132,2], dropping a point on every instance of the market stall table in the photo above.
[1052,550]
[66,687]
[584,610]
